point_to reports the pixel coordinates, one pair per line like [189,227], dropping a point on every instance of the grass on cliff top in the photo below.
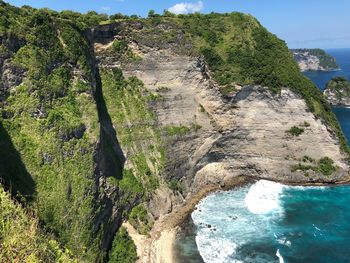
[21,240]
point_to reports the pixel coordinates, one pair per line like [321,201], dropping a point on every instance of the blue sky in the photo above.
[301,23]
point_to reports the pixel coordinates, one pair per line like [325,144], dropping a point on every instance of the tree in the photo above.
[151,13]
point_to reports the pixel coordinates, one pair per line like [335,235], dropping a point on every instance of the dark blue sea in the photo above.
[271,222]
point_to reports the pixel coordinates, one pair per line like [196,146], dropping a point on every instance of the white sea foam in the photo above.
[284,241]
[263,197]
[278,254]
[215,250]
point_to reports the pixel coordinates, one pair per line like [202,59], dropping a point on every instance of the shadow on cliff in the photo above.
[13,173]
[111,158]
[110,163]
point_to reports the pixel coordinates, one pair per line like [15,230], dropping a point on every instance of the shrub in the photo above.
[175,185]
[295,131]
[140,219]
[177,130]
[119,46]
[326,166]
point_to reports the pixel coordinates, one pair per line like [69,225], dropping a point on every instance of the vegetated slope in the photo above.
[337,92]
[314,59]
[61,113]
[59,146]
[21,239]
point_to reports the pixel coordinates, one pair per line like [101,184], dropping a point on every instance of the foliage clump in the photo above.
[123,248]
[295,131]
[140,219]
[324,166]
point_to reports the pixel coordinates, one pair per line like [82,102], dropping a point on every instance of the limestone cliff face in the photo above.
[243,134]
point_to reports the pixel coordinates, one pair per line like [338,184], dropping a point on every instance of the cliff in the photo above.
[132,119]
[314,60]
[337,92]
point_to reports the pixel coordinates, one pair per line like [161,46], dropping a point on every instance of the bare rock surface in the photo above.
[245,134]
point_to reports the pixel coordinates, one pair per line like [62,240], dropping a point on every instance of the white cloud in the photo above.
[186,8]
[105,8]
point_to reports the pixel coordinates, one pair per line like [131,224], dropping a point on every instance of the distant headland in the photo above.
[314,60]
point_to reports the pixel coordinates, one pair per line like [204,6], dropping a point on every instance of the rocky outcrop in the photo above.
[10,75]
[314,60]
[337,92]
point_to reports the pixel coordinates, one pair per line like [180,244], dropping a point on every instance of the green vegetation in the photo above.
[181,130]
[307,159]
[175,185]
[127,102]
[295,131]
[121,49]
[326,61]
[163,89]
[298,130]
[123,248]
[305,124]
[324,166]
[21,240]
[51,125]
[140,219]
[227,89]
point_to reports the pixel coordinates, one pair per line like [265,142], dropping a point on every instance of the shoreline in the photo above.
[159,246]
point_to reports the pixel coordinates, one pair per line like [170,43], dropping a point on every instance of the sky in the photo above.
[301,23]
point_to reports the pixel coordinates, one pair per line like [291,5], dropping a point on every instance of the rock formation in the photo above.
[337,92]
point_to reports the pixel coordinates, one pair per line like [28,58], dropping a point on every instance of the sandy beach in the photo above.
[155,248]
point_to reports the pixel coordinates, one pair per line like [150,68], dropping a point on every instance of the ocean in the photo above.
[271,222]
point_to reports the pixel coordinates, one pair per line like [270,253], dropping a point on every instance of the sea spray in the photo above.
[270,222]
[263,197]
[227,221]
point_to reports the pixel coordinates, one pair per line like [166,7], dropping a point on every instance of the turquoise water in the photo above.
[270,222]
